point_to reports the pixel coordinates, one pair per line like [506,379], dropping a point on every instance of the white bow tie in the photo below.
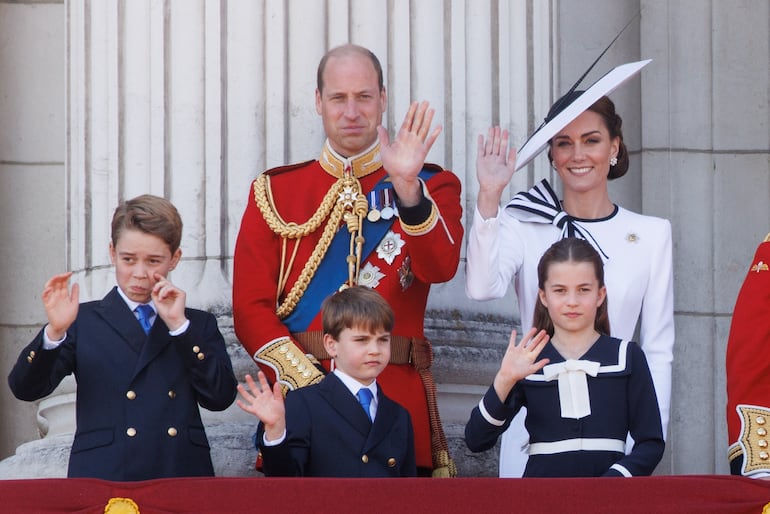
[573,385]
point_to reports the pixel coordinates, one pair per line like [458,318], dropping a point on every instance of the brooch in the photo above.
[390,247]
[370,276]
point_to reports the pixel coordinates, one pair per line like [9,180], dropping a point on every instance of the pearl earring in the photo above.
[613,161]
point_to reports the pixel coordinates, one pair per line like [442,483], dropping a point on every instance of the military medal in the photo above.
[405,275]
[390,247]
[387,211]
[374,213]
[370,276]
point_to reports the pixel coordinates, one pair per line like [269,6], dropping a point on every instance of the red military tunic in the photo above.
[748,371]
[407,260]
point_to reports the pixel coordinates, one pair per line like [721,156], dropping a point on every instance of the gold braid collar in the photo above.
[344,201]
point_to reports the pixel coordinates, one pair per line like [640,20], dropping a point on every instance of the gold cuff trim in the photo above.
[733,452]
[293,369]
[754,439]
[424,227]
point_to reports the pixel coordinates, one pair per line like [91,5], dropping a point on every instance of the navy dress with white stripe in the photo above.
[622,401]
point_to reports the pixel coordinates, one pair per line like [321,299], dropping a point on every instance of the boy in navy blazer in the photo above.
[140,377]
[324,430]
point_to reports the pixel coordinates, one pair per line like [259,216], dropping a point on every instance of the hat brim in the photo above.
[602,87]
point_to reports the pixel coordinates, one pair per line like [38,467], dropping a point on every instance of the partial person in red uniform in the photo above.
[748,372]
[368,212]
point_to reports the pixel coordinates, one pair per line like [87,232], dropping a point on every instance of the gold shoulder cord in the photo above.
[344,195]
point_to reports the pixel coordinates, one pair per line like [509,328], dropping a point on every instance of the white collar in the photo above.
[132,305]
[354,385]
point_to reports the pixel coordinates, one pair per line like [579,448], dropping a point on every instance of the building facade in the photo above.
[191,99]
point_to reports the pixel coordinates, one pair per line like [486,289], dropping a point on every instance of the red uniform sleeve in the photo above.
[435,247]
[255,275]
[748,366]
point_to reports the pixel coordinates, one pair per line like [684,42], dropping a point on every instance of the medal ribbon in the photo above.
[332,271]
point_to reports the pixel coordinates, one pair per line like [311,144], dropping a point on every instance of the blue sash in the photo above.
[333,271]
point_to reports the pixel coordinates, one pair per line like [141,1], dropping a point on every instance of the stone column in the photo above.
[191,99]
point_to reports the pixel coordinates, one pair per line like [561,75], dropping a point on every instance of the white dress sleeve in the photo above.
[656,335]
[492,256]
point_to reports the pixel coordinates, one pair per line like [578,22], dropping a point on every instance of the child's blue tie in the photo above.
[144,315]
[365,399]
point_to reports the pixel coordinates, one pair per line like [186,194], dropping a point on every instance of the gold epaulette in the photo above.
[754,438]
[293,369]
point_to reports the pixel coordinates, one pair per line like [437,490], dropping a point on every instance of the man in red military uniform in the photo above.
[748,372]
[370,212]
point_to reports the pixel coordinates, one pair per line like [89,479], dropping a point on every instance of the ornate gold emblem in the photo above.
[121,506]
[760,266]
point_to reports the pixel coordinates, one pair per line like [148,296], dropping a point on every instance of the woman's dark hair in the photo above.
[570,249]
[605,108]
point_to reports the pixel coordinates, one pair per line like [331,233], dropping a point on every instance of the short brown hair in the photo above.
[347,50]
[356,306]
[149,214]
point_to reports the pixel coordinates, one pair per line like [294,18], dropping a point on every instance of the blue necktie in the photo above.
[365,399]
[144,315]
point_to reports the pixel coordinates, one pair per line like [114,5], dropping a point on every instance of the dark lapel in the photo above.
[387,411]
[340,399]
[115,313]
[155,343]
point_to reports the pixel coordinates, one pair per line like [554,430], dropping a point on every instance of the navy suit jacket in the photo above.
[137,395]
[330,435]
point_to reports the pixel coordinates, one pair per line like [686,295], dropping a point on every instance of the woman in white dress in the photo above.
[506,245]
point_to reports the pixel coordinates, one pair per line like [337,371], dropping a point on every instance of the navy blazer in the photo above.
[623,401]
[137,395]
[330,435]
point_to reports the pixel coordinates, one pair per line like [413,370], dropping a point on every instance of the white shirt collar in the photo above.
[354,385]
[133,305]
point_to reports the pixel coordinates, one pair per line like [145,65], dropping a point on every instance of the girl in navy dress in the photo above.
[584,391]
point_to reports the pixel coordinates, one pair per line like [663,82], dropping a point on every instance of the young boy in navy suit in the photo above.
[324,430]
[143,362]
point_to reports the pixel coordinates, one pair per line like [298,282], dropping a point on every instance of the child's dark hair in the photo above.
[570,249]
[149,214]
[356,307]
